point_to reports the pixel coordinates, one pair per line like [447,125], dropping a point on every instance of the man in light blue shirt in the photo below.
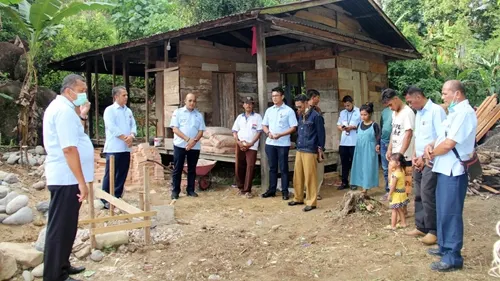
[428,122]
[278,124]
[68,168]
[121,130]
[348,122]
[188,126]
[459,133]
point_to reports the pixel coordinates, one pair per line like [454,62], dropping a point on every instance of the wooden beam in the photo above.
[116,218]
[88,80]
[147,205]
[166,51]
[279,9]
[126,226]
[120,204]
[340,39]
[96,100]
[112,183]
[275,33]
[146,89]
[308,40]
[113,62]
[337,9]
[92,214]
[240,37]
[262,93]
[490,189]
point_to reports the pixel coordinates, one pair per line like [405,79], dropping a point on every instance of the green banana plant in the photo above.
[37,21]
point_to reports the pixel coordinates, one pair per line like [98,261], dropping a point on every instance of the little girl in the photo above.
[364,172]
[397,194]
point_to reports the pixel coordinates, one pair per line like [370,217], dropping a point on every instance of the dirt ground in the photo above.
[235,238]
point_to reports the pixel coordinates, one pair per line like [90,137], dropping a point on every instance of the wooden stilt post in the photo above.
[146,82]
[113,69]
[96,102]
[262,93]
[92,214]
[112,182]
[88,78]
[147,229]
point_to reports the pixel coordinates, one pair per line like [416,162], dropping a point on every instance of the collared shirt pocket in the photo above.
[183,122]
[197,123]
[283,120]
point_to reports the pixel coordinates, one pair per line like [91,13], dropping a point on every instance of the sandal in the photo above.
[389,227]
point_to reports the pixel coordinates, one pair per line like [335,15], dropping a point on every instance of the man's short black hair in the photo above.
[301,98]
[414,90]
[311,93]
[347,99]
[388,94]
[279,90]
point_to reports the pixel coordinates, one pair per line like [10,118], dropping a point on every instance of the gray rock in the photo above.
[3,217]
[13,158]
[8,268]
[116,238]
[32,151]
[23,216]
[38,271]
[40,242]
[398,254]
[33,161]
[83,252]
[3,175]
[8,198]
[5,156]
[27,276]
[3,208]
[41,160]
[11,178]
[4,191]
[97,256]
[1,163]
[4,183]
[16,204]
[40,150]
[214,277]
[98,204]
[24,253]
[122,249]
[43,207]
[16,185]
[39,185]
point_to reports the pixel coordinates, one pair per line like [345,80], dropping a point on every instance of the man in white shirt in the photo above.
[246,131]
[68,168]
[348,122]
[458,136]
[188,126]
[121,130]
[427,127]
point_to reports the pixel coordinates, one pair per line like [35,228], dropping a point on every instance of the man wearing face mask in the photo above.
[310,146]
[458,137]
[348,122]
[188,126]
[121,130]
[68,168]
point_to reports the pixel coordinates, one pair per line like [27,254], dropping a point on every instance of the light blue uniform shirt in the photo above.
[347,118]
[62,128]
[118,121]
[428,125]
[460,126]
[279,119]
[189,123]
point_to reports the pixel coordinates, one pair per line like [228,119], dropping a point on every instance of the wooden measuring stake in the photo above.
[90,199]
[147,229]
[112,183]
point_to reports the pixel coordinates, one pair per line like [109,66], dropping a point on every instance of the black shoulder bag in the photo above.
[471,166]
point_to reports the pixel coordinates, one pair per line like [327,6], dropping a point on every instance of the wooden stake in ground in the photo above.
[92,214]
[147,229]
[112,182]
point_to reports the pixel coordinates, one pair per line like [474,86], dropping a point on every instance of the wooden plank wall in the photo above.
[199,59]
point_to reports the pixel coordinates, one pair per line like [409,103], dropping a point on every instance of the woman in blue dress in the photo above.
[365,164]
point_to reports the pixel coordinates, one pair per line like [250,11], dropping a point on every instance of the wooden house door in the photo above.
[223,100]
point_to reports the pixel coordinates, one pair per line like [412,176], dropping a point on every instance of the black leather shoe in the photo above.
[444,267]
[106,206]
[434,252]
[319,197]
[192,194]
[308,208]
[174,196]
[268,194]
[72,270]
[343,186]
[71,279]
[294,203]
[286,197]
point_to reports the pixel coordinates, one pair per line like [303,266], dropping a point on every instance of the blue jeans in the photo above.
[450,197]
[385,164]
[275,155]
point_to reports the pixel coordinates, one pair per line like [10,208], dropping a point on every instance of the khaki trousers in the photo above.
[304,174]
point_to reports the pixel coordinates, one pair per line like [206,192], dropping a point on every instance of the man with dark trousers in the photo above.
[347,124]
[121,130]
[278,123]
[68,168]
[456,140]
[310,147]
[314,99]
[188,126]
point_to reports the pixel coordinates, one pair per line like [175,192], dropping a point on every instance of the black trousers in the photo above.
[61,231]
[278,155]
[425,183]
[122,164]
[180,155]
[346,157]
